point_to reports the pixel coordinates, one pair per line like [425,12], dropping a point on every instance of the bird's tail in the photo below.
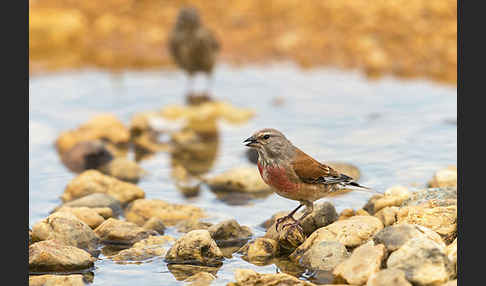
[361,187]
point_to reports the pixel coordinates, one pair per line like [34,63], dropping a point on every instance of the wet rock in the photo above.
[65,228]
[104,127]
[182,272]
[444,178]
[192,224]
[363,262]
[55,256]
[123,169]
[388,277]
[387,215]
[346,168]
[247,277]
[431,214]
[324,255]
[393,196]
[195,247]
[394,236]
[90,216]
[155,223]
[197,98]
[97,201]
[229,231]
[114,231]
[240,179]
[52,280]
[451,252]
[144,249]
[200,279]
[142,210]
[86,155]
[423,261]
[259,250]
[351,232]
[93,181]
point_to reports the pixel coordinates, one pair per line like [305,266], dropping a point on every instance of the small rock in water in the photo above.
[144,249]
[241,179]
[444,178]
[90,216]
[228,232]
[51,280]
[93,181]
[288,238]
[363,262]
[140,211]
[260,250]
[55,256]
[423,261]
[123,169]
[66,228]
[388,277]
[195,247]
[155,223]
[103,127]
[114,231]
[86,155]
[96,200]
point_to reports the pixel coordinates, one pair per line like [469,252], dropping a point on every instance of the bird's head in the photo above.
[188,19]
[269,143]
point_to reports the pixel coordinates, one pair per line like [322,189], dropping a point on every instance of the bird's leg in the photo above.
[309,208]
[290,215]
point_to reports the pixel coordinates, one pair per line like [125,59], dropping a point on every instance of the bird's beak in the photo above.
[252,142]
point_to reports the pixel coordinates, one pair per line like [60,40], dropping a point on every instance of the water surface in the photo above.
[395,131]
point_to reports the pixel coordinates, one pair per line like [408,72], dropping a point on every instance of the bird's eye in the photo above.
[266,137]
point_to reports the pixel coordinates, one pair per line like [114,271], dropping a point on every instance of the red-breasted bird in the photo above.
[192,46]
[293,174]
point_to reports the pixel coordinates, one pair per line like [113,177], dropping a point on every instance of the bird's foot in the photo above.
[291,226]
[282,219]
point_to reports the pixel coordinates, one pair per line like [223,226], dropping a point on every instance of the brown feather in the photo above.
[309,170]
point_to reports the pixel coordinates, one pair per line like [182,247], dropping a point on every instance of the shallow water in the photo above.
[395,131]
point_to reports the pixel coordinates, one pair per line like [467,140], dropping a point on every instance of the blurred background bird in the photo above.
[192,46]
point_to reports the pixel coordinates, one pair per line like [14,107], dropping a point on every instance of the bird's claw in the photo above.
[291,226]
[282,219]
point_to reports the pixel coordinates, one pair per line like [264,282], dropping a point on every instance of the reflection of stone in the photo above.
[193,98]
[195,151]
[184,271]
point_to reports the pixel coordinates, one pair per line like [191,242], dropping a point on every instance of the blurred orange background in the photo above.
[406,38]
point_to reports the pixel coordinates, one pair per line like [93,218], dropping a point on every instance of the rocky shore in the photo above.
[400,237]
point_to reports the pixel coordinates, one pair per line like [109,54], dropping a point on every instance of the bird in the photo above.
[295,175]
[192,46]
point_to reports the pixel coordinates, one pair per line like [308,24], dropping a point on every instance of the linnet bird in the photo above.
[192,46]
[295,175]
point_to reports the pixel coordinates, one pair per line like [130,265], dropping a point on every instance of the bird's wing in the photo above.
[312,172]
